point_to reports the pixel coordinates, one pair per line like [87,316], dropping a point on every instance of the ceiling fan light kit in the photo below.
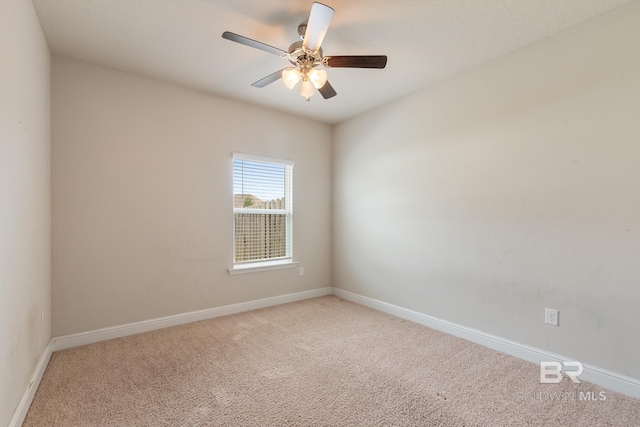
[306,56]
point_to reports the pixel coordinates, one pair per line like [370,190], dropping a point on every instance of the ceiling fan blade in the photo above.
[363,61]
[252,43]
[269,79]
[317,26]
[327,91]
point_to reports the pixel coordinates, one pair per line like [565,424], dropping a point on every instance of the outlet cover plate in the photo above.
[551,316]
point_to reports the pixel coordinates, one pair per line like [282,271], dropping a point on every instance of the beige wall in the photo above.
[25,213]
[142,198]
[507,189]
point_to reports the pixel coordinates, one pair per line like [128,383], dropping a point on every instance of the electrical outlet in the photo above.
[301,271]
[41,317]
[551,316]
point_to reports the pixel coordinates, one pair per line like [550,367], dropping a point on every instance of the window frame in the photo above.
[269,263]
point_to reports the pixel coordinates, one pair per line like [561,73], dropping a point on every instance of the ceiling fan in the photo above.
[306,56]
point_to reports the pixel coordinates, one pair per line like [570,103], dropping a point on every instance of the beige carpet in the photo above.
[319,362]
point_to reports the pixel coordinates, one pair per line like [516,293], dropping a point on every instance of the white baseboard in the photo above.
[593,374]
[90,337]
[27,397]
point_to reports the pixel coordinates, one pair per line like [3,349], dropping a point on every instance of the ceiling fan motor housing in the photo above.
[298,55]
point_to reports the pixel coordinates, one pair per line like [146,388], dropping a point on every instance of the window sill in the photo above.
[262,266]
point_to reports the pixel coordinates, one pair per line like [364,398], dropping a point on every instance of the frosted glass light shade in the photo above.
[318,78]
[306,89]
[290,76]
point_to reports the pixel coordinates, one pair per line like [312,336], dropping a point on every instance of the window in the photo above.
[262,212]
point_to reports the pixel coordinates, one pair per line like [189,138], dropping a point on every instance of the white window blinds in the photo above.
[262,209]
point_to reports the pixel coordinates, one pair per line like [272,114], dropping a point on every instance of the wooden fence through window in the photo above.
[261,235]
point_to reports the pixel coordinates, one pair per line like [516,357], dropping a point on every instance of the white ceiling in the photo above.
[180,41]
